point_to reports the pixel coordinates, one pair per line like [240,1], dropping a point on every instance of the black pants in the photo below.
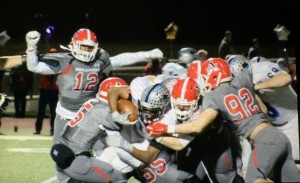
[46,97]
[20,102]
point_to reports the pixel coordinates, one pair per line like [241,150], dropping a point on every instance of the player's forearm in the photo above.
[279,80]
[172,143]
[144,156]
[204,119]
[262,106]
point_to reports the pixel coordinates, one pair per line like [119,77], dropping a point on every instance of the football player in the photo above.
[73,151]
[152,105]
[234,98]
[272,85]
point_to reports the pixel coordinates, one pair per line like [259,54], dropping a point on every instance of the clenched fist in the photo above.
[32,38]
[158,129]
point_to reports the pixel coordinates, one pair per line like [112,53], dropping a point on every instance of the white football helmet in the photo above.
[84,37]
[184,98]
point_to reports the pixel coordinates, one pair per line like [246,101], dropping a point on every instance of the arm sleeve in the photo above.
[262,71]
[125,59]
[35,66]
[128,158]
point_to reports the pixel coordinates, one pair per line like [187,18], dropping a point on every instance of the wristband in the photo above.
[115,114]
[171,129]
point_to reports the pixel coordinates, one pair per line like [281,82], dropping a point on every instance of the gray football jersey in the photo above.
[78,81]
[236,101]
[81,132]
[163,169]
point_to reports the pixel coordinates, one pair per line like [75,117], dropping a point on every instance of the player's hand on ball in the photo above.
[158,129]
[32,38]
[121,118]
[126,113]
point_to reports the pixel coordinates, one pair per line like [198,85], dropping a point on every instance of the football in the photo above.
[125,105]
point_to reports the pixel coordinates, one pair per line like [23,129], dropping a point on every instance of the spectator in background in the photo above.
[48,95]
[225,47]
[254,49]
[21,84]
[202,54]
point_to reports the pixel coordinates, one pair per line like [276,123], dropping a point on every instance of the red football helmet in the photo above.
[215,72]
[84,37]
[195,71]
[184,99]
[106,84]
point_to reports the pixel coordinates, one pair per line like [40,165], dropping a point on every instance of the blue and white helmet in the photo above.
[187,55]
[154,103]
[171,69]
[237,63]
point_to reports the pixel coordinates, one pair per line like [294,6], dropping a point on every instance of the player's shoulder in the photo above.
[103,53]
[263,66]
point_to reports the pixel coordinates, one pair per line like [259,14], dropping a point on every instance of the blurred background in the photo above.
[136,25]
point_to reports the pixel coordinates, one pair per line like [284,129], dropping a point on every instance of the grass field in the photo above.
[24,158]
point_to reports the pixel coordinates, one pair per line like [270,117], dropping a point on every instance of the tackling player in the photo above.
[152,104]
[273,87]
[234,98]
[73,151]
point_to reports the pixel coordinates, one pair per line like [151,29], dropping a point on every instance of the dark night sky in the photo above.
[128,20]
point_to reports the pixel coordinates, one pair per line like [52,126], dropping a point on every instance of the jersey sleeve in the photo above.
[208,102]
[103,117]
[37,65]
[262,71]
[107,63]
[128,58]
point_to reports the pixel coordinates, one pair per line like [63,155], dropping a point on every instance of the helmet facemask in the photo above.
[84,45]
[82,55]
[183,108]
[150,115]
